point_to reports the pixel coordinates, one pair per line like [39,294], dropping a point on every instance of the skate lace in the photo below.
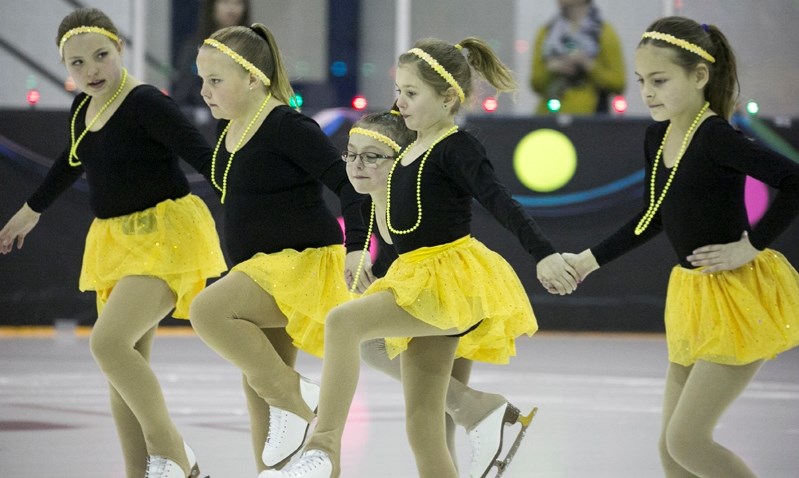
[310,461]
[277,428]
[474,442]
[156,467]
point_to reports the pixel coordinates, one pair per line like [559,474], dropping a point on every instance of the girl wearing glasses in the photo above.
[374,141]
[269,165]
[446,295]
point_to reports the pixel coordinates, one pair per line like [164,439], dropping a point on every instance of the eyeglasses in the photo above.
[368,159]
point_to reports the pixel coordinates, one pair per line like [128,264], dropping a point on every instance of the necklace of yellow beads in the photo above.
[365,250]
[223,187]
[418,184]
[391,228]
[73,148]
[655,205]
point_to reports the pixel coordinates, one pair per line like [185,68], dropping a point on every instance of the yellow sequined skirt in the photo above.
[305,285]
[456,286]
[733,317]
[175,240]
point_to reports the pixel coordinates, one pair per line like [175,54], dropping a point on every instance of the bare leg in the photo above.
[706,395]
[135,306]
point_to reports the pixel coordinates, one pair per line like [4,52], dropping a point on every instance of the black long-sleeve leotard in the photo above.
[705,203]
[274,190]
[131,163]
[456,171]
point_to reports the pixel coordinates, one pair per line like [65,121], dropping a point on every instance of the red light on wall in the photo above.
[490,104]
[33,97]
[619,104]
[359,102]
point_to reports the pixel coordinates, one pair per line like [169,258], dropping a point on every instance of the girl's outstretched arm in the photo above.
[17,228]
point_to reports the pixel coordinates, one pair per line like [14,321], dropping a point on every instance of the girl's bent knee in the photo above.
[105,348]
[683,446]
[373,352]
[340,323]
[201,313]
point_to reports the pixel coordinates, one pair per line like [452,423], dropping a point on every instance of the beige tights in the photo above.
[120,342]
[464,406]
[426,368]
[258,408]
[695,397]
[243,324]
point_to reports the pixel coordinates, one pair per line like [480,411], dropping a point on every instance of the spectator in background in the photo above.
[214,15]
[577,59]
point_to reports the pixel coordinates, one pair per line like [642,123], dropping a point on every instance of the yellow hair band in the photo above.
[435,65]
[78,30]
[375,135]
[239,59]
[686,45]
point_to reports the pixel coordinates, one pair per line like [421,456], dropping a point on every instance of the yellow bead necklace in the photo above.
[223,188]
[418,184]
[73,149]
[365,249]
[654,205]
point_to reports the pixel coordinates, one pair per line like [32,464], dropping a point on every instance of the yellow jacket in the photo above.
[607,75]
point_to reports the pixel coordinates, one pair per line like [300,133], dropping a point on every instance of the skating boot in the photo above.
[163,467]
[287,431]
[312,464]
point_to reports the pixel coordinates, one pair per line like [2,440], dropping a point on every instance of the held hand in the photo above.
[724,257]
[556,275]
[584,263]
[351,268]
[17,228]
[583,61]
[562,65]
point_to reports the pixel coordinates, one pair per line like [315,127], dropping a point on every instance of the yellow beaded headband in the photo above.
[239,59]
[686,45]
[77,31]
[435,65]
[375,135]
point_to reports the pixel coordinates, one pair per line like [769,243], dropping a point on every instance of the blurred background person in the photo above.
[213,15]
[577,60]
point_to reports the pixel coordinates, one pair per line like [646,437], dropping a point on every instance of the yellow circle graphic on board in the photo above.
[545,160]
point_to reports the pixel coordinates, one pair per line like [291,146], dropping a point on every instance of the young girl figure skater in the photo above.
[732,302]
[270,164]
[446,291]
[152,245]
[374,141]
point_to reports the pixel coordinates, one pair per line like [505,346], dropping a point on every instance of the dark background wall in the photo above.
[38,284]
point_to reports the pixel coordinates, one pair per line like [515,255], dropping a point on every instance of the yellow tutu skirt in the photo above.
[733,317]
[175,240]
[456,286]
[306,285]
